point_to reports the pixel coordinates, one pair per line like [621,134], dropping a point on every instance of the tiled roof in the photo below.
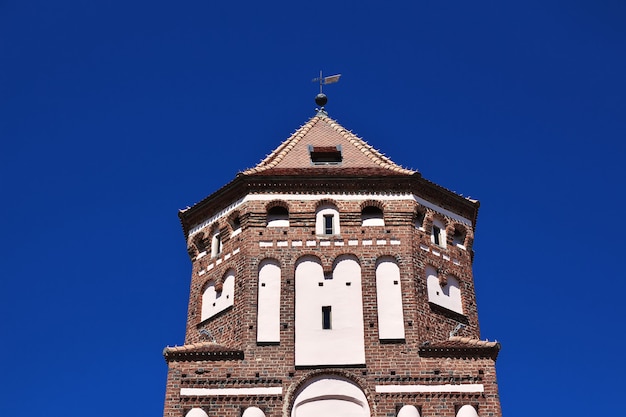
[323,132]
[290,169]
[208,350]
[459,341]
[461,346]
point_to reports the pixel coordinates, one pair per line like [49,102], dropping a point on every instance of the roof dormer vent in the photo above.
[325,155]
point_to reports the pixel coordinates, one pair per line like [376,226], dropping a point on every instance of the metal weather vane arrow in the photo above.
[326,80]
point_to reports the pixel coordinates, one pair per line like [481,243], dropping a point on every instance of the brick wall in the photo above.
[397,362]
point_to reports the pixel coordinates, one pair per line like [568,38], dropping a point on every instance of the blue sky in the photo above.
[114,115]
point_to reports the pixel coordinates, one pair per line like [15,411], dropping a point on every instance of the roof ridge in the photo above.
[288,144]
[368,150]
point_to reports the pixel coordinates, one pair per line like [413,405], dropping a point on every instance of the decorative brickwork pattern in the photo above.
[439,366]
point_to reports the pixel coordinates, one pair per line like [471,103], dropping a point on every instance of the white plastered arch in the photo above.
[268,307]
[196,412]
[330,396]
[342,343]
[467,411]
[448,295]
[253,412]
[408,411]
[389,299]
[214,301]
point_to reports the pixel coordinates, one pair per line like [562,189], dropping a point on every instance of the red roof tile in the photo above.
[322,132]
[461,346]
[209,350]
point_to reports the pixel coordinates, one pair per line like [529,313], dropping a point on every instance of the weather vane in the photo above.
[321,98]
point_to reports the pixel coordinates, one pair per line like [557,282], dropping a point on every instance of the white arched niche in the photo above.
[389,299]
[330,396]
[213,301]
[409,411]
[329,313]
[467,411]
[253,412]
[448,295]
[196,412]
[268,307]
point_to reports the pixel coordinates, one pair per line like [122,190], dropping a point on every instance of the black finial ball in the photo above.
[321,99]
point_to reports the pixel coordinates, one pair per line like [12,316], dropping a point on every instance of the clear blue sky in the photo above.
[114,115]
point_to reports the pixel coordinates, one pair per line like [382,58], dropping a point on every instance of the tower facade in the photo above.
[328,280]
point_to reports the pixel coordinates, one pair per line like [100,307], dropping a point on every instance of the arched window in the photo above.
[446,294]
[216,299]
[268,307]
[467,411]
[438,234]
[327,220]
[389,299]
[278,216]
[372,216]
[196,412]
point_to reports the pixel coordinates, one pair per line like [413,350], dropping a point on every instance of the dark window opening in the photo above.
[325,155]
[458,238]
[200,244]
[326,318]
[371,213]
[236,223]
[279,211]
[436,235]
[278,216]
[420,219]
[328,224]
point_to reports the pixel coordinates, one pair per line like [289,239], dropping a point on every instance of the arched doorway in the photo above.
[330,396]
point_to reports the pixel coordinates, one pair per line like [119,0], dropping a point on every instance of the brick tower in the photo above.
[329,281]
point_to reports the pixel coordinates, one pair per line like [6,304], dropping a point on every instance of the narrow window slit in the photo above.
[326,317]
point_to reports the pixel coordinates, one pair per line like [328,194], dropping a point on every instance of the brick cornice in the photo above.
[326,181]
[201,351]
[461,347]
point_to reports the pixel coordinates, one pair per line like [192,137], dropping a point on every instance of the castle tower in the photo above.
[329,281]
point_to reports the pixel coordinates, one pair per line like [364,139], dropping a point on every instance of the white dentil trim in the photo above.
[336,197]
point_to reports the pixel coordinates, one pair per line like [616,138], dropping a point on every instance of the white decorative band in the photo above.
[337,197]
[215,392]
[430,388]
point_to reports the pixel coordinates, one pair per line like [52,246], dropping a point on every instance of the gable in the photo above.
[322,143]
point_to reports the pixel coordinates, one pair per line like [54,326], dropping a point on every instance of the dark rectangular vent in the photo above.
[325,155]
